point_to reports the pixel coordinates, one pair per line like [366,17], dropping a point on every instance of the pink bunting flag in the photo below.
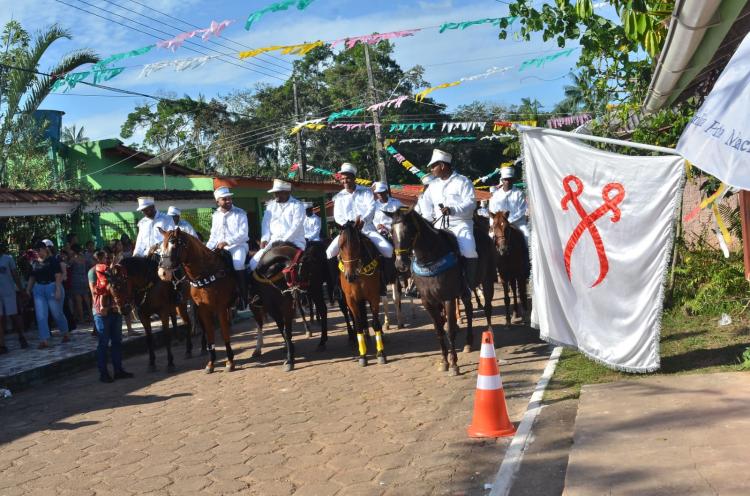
[373,39]
[214,29]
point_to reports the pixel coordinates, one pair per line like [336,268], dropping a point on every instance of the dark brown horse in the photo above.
[134,283]
[438,276]
[512,263]
[360,283]
[213,286]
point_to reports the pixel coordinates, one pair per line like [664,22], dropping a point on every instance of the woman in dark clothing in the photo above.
[45,284]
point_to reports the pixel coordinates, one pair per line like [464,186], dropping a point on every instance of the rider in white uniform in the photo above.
[148,232]
[184,225]
[421,207]
[356,203]
[384,203]
[451,197]
[312,223]
[510,199]
[283,220]
[229,231]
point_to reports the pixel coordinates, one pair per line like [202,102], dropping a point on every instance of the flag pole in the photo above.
[598,139]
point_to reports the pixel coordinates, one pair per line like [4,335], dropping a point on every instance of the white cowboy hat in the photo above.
[378,187]
[222,192]
[145,202]
[173,211]
[347,168]
[440,156]
[507,172]
[427,179]
[279,185]
[48,243]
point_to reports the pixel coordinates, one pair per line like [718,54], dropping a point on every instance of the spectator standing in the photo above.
[79,286]
[45,284]
[9,284]
[107,320]
[89,255]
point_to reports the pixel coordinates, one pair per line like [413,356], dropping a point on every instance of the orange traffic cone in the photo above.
[490,413]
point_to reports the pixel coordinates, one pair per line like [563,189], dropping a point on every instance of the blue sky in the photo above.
[446,57]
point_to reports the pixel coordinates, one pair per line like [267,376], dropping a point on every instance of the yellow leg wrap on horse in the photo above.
[379,341]
[362,344]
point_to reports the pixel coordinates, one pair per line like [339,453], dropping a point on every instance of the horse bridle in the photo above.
[405,251]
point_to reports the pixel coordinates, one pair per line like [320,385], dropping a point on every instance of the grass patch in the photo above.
[689,344]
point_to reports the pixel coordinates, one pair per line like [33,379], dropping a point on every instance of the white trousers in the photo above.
[239,254]
[523,226]
[382,244]
[256,258]
[464,232]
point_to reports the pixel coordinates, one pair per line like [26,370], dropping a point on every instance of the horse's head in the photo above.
[405,231]
[500,230]
[350,250]
[120,287]
[174,249]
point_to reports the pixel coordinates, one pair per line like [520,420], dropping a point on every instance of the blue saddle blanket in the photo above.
[436,268]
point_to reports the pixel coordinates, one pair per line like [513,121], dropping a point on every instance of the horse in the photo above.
[360,282]
[134,283]
[313,272]
[512,263]
[213,286]
[438,276]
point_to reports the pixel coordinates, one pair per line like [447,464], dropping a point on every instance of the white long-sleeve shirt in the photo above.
[230,227]
[456,192]
[312,227]
[423,208]
[187,227]
[391,205]
[148,232]
[512,201]
[284,222]
[360,203]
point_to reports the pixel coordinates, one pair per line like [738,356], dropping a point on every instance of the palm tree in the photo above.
[73,136]
[24,90]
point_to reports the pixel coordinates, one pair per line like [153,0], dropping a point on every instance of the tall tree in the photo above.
[72,135]
[23,89]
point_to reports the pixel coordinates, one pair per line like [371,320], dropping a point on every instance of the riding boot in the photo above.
[383,277]
[241,276]
[471,265]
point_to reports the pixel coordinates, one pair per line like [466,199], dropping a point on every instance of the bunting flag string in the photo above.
[70,80]
[314,124]
[214,29]
[486,178]
[571,120]
[345,113]
[275,7]
[412,126]
[419,140]
[422,94]
[178,65]
[395,103]
[489,72]
[300,49]
[374,39]
[725,239]
[540,61]
[456,139]
[463,126]
[405,163]
[721,191]
[495,21]
[354,127]
[500,125]
[497,137]
[336,175]
[124,55]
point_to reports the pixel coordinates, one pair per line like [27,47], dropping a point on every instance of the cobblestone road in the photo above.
[329,427]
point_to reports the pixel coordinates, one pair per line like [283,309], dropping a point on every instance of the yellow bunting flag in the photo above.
[422,94]
[300,49]
[722,227]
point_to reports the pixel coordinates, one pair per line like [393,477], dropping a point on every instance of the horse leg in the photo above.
[469,307]
[506,300]
[360,323]
[522,288]
[514,287]
[165,317]
[319,301]
[206,318]
[379,348]
[476,297]
[397,303]
[452,328]
[349,328]
[258,316]
[185,316]
[286,332]
[301,309]
[225,319]
[146,321]
[450,315]
[488,293]
[386,322]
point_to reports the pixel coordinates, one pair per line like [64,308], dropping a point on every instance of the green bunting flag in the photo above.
[495,21]
[124,55]
[345,113]
[276,7]
[540,61]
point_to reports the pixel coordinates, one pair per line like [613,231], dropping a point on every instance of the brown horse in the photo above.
[360,283]
[134,283]
[213,286]
[512,263]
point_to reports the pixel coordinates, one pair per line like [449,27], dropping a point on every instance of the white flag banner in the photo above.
[717,139]
[601,237]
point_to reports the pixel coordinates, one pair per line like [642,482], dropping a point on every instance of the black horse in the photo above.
[438,275]
[512,264]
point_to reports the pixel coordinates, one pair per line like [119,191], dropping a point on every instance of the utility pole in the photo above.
[382,175]
[301,158]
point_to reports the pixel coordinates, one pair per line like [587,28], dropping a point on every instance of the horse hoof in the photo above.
[362,361]
[386,326]
[256,354]
[401,326]
[152,367]
[443,367]
[453,371]
[382,360]
[209,369]
[171,367]
[229,367]
[308,334]
[467,348]
[288,367]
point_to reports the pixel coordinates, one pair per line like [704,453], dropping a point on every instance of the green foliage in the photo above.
[745,360]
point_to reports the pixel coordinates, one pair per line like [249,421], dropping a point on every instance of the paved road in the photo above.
[329,427]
